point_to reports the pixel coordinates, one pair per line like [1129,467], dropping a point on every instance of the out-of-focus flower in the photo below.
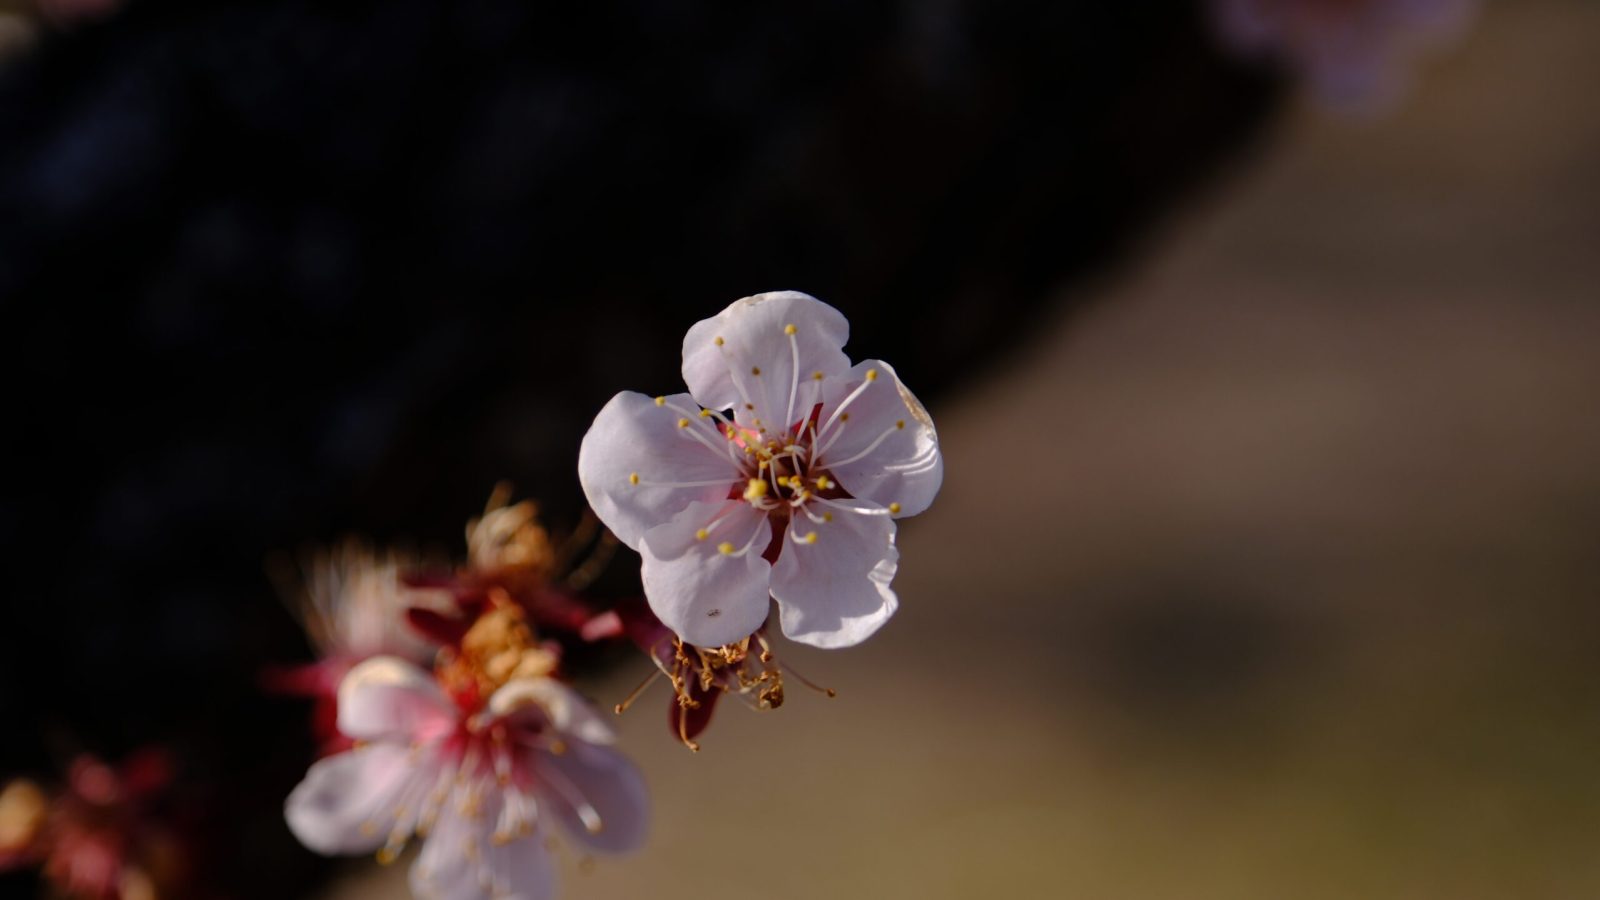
[23,810]
[476,759]
[100,837]
[780,473]
[509,551]
[1355,53]
[355,603]
[354,606]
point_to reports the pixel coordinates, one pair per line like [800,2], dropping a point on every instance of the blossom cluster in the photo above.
[779,475]
[442,705]
[102,834]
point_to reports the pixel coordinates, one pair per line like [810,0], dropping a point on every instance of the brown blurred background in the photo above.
[1271,575]
[1265,568]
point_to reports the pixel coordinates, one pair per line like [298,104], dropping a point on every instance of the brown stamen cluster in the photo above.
[698,674]
[499,647]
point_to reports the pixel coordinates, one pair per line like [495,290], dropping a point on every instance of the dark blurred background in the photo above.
[1265,565]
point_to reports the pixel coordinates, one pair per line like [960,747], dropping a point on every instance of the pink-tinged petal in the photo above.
[711,590]
[882,445]
[745,357]
[443,869]
[598,796]
[461,860]
[637,451]
[833,589]
[348,803]
[386,697]
[561,706]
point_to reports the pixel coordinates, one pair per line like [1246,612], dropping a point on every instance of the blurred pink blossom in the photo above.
[478,778]
[99,837]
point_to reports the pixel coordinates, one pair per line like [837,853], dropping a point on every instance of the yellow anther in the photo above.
[823,483]
[661,401]
[705,413]
[755,370]
[717,340]
[827,517]
[633,477]
[387,855]
[755,490]
[684,423]
[789,329]
[816,376]
[900,424]
[701,534]
[872,374]
[894,508]
[844,417]
[810,538]
[725,548]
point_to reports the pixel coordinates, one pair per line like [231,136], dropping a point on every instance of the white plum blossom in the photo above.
[478,780]
[779,473]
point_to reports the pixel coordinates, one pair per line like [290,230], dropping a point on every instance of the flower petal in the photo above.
[833,590]
[462,861]
[636,446]
[563,707]
[711,590]
[598,796]
[882,447]
[387,697]
[744,357]
[348,802]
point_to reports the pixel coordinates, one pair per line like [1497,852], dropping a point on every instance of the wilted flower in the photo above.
[700,677]
[1354,52]
[475,758]
[780,472]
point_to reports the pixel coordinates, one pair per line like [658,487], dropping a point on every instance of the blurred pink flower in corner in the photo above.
[99,837]
[1356,54]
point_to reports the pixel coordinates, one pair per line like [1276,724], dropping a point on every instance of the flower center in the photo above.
[787,473]
[497,648]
